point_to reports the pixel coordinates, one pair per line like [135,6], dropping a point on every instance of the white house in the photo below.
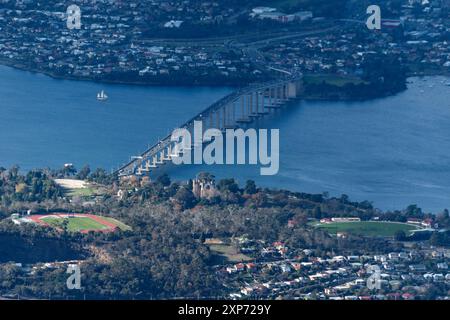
[173,24]
[260,10]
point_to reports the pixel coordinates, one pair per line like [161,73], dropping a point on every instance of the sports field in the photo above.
[80,222]
[368,228]
[75,223]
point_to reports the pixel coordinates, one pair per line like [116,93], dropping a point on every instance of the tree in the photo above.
[440,238]
[317,213]
[84,173]
[13,173]
[414,211]
[250,187]
[344,198]
[65,224]
[163,180]
[69,170]
[228,185]
[443,219]
[185,198]
[100,176]
[400,235]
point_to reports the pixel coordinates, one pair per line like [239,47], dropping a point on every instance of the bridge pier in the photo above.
[271,104]
[224,117]
[261,98]
[244,108]
[230,116]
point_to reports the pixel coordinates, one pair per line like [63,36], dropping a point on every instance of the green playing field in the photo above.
[75,223]
[368,228]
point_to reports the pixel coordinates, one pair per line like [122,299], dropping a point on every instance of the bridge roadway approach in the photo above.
[236,110]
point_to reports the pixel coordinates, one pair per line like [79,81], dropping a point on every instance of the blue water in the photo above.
[46,122]
[393,151]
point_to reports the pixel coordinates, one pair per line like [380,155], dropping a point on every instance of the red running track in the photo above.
[111,226]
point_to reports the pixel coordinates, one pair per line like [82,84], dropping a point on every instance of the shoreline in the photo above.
[231,84]
[119,82]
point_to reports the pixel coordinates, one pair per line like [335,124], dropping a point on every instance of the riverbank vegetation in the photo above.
[379,76]
[164,253]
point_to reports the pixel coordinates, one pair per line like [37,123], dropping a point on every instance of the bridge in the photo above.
[236,110]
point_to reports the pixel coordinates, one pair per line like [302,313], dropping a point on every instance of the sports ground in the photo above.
[83,223]
[368,228]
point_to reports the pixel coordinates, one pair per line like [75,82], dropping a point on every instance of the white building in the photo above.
[173,24]
[260,10]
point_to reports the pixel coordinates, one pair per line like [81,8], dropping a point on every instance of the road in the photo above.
[251,39]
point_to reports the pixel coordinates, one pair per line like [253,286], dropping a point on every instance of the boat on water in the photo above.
[102,96]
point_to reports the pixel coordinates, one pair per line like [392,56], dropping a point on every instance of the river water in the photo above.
[392,151]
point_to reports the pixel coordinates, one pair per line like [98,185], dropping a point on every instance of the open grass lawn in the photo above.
[79,188]
[75,223]
[82,192]
[227,253]
[368,228]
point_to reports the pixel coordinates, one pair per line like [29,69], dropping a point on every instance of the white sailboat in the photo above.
[102,96]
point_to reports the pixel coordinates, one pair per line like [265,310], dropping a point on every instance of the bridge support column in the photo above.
[169,152]
[224,123]
[148,165]
[263,101]
[234,113]
[270,97]
[294,89]
[230,111]
[218,119]
[211,124]
[257,101]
